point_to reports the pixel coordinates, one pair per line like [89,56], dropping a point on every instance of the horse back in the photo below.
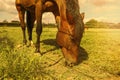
[25,3]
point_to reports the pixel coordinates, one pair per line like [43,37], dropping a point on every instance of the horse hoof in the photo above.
[37,51]
[24,42]
[31,44]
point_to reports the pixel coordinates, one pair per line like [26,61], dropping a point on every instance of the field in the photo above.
[100,56]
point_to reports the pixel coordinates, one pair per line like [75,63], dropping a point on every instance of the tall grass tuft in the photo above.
[19,65]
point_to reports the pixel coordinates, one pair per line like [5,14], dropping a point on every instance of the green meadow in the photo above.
[100,56]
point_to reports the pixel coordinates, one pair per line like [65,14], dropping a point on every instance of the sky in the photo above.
[101,10]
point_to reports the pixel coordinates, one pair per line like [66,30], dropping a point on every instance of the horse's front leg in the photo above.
[30,23]
[21,13]
[38,11]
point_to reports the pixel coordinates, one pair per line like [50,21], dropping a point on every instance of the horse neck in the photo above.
[73,17]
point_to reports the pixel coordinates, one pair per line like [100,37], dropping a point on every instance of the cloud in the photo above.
[48,18]
[101,10]
[7,6]
[2,5]
[82,2]
[101,2]
[106,10]
[95,2]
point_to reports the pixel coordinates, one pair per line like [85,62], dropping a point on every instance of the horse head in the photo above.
[71,31]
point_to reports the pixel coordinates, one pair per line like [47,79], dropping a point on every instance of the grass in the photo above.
[99,54]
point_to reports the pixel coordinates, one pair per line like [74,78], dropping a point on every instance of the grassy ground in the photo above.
[100,60]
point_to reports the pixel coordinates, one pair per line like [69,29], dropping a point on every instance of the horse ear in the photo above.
[82,15]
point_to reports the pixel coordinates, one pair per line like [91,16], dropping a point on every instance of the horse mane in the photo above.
[73,9]
[72,6]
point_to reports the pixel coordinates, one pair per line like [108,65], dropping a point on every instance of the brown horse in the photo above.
[71,25]
[71,28]
[23,6]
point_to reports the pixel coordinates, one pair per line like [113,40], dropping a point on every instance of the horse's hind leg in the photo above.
[30,23]
[21,13]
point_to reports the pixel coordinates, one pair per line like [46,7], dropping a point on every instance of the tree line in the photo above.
[96,24]
[90,24]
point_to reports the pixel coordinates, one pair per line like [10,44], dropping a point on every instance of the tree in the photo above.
[5,21]
[92,23]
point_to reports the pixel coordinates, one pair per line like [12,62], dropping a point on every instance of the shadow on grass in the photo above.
[83,55]
[51,42]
